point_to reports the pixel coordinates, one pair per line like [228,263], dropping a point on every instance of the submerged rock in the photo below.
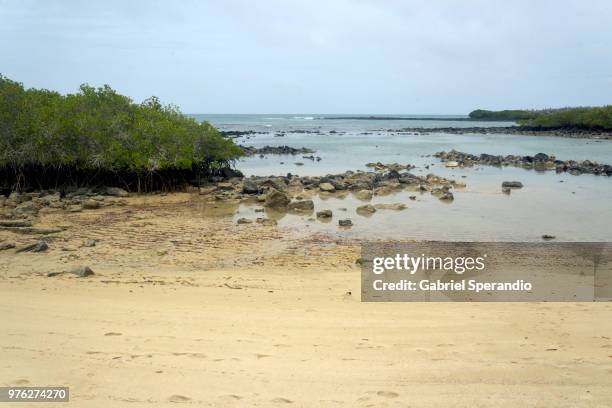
[266,221]
[366,209]
[394,206]
[304,205]
[345,223]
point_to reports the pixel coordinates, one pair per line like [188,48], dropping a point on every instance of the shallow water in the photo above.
[573,208]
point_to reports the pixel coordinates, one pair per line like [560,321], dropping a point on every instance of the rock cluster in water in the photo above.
[251,151]
[540,161]
[292,193]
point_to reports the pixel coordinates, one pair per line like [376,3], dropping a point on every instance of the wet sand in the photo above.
[188,307]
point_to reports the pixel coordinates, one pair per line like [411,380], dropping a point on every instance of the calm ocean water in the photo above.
[574,208]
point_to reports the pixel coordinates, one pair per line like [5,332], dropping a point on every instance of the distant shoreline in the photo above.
[573,133]
[466,119]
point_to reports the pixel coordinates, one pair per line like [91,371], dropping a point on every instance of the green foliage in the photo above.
[509,115]
[597,118]
[98,129]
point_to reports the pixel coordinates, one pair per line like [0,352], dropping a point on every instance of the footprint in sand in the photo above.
[179,398]
[232,396]
[387,394]
[281,400]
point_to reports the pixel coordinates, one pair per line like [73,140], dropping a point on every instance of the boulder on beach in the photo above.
[250,187]
[345,223]
[39,246]
[277,200]
[303,205]
[82,271]
[244,221]
[327,187]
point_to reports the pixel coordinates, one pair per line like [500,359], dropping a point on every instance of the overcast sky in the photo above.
[344,56]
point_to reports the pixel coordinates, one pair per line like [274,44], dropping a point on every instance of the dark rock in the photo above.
[40,246]
[448,196]
[324,214]
[250,187]
[244,221]
[512,184]
[547,237]
[228,173]
[251,151]
[345,223]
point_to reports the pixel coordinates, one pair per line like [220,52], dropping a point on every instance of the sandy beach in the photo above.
[187,307]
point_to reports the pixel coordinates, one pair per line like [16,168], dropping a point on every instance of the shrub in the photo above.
[99,136]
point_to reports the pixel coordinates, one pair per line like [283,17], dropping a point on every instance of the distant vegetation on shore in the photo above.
[99,137]
[503,115]
[587,118]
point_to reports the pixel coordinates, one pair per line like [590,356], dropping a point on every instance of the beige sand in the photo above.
[191,309]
